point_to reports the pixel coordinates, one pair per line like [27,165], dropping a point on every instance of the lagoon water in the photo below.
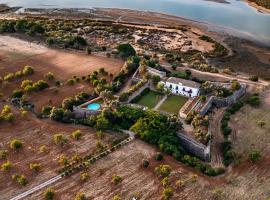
[236,15]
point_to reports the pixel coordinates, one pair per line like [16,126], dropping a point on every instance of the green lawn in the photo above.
[173,104]
[150,99]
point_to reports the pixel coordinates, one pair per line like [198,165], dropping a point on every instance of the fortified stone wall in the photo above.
[194,147]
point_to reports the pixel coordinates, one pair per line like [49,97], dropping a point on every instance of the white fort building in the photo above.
[182,87]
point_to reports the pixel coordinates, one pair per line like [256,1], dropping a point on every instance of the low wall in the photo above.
[156,72]
[194,147]
[137,92]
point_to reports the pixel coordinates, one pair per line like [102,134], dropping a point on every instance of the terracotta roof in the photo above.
[185,82]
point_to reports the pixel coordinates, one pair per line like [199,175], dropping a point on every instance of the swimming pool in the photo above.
[93,106]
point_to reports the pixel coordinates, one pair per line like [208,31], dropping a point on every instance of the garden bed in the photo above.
[173,104]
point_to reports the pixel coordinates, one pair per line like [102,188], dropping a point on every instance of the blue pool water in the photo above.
[93,106]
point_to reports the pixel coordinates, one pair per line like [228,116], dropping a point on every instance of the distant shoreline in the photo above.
[258,7]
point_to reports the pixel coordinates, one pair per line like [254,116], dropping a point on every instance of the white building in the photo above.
[182,87]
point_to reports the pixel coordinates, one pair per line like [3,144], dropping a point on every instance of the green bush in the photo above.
[20,179]
[6,166]
[163,170]
[35,166]
[76,134]
[27,70]
[254,78]
[80,196]
[159,157]
[116,179]
[15,144]
[167,193]
[254,155]
[3,154]
[49,194]
[59,139]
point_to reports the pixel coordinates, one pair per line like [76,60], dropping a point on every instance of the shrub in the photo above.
[59,139]
[35,166]
[17,94]
[254,78]
[71,81]
[165,182]
[261,123]
[49,194]
[84,176]
[3,154]
[63,160]
[27,70]
[163,170]
[46,110]
[76,134]
[254,100]
[40,85]
[254,155]
[167,193]
[6,166]
[80,196]
[116,179]
[159,157]
[42,149]
[88,51]
[145,163]
[15,144]
[20,179]
[116,198]
[57,114]
[9,77]
[50,76]
[235,85]
[123,97]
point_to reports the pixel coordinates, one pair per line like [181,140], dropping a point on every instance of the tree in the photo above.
[254,155]
[35,166]
[80,196]
[59,139]
[116,197]
[84,176]
[159,157]
[20,179]
[116,179]
[49,194]
[15,144]
[254,78]
[126,50]
[63,160]
[76,134]
[27,70]
[261,123]
[203,98]
[145,163]
[57,114]
[50,76]
[102,123]
[167,193]
[68,103]
[163,170]
[254,100]
[156,80]
[6,166]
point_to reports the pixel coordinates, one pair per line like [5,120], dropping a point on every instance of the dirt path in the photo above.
[215,120]
[215,76]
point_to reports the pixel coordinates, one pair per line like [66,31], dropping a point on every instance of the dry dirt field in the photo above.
[16,53]
[34,133]
[137,181]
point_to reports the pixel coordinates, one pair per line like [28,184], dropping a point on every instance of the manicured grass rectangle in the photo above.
[173,104]
[149,99]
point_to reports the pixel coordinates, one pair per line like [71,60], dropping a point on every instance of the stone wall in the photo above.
[194,147]
[138,92]
[222,102]
[84,112]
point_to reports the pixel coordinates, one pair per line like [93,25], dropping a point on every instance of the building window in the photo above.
[184,89]
[171,86]
[176,87]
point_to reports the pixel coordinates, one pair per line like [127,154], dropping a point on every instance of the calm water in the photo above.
[236,15]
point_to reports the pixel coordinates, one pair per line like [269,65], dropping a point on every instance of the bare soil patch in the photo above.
[34,133]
